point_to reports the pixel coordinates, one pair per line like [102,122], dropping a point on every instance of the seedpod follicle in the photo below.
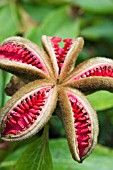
[51,82]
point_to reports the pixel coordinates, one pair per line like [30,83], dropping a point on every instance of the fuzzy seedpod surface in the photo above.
[47,81]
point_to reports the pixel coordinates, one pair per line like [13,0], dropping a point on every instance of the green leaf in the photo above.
[7,80]
[37,155]
[10,160]
[102,29]
[1,88]
[57,2]
[34,34]
[96,6]
[10,156]
[101,158]
[8,21]
[3,2]
[101,100]
[4,79]
[49,2]
[57,23]
[37,12]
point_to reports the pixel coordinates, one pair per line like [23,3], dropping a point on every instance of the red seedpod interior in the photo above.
[104,70]
[25,112]
[20,53]
[82,124]
[61,53]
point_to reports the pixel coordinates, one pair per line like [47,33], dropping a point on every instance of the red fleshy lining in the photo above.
[22,116]
[61,52]
[82,123]
[20,53]
[104,70]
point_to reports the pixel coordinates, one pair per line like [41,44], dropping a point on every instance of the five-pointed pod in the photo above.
[52,83]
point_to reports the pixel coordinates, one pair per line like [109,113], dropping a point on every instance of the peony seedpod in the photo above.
[46,81]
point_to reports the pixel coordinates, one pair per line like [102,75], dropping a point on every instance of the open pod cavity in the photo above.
[63,58]
[91,75]
[22,57]
[80,122]
[28,110]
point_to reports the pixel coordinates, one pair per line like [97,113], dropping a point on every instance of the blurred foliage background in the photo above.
[66,18]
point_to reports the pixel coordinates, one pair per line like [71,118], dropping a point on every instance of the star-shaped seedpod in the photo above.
[91,75]
[53,85]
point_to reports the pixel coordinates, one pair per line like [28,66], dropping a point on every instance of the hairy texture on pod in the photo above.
[58,90]
[24,114]
[94,74]
[21,56]
[63,58]
[80,122]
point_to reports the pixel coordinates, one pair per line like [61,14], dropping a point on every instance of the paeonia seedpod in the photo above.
[31,107]
[22,57]
[80,122]
[28,110]
[91,75]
